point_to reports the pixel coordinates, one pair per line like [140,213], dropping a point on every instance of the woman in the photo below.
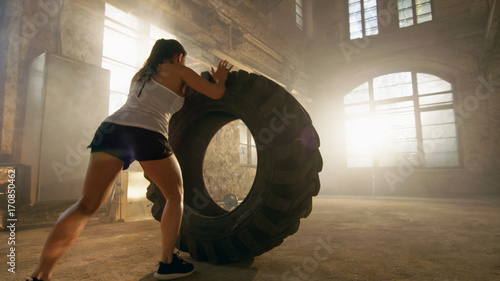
[138,131]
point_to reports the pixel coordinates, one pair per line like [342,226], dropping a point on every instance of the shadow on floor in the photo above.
[241,271]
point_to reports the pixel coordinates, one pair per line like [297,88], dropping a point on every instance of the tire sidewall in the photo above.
[195,223]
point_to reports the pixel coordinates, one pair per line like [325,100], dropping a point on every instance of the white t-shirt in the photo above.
[151,109]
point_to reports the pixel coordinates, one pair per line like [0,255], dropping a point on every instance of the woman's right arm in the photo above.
[202,85]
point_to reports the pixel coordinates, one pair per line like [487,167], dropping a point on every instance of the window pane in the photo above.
[439,131]
[355,21]
[122,17]
[404,4]
[358,139]
[392,86]
[437,117]
[364,108]
[442,145]
[399,147]
[243,133]
[424,18]
[360,94]
[120,76]
[398,133]
[355,25]
[371,20]
[428,84]
[403,106]
[355,18]
[370,4]
[443,159]
[423,8]
[298,10]
[439,138]
[371,27]
[393,160]
[389,160]
[405,13]
[358,149]
[405,22]
[354,5]
[299,21]
[359,130]
[370,13]
[406,16]
[433,100]
[120,28]
[120,47]
[359,161]
[157,33]
[356,31]
[356,35]
[355,8]
[254,155]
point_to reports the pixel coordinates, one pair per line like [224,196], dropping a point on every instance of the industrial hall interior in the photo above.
[354,140]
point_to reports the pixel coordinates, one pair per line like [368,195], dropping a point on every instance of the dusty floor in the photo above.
[343,239]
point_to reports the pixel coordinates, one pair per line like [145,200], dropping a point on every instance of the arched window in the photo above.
[398,117]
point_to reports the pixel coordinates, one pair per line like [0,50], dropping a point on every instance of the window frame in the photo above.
[299,7]
[363,20]
[415,15]
[418,109]
[248,145]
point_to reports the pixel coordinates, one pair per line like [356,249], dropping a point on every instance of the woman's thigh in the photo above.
[166,174]
[102,173]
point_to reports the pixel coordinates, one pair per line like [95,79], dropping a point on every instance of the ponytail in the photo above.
[163,50]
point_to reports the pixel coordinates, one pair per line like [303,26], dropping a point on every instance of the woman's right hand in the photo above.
[202,85]
[220,75]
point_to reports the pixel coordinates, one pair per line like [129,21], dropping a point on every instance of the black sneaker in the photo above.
[178,268]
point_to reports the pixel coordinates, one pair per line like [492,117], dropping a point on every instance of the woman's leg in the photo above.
[101,174]
[166,174]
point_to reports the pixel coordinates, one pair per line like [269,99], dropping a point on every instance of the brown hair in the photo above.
[162,50]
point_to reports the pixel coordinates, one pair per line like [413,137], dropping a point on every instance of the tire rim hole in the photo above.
[230,165]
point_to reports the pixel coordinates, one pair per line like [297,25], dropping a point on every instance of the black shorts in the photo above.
[130,143]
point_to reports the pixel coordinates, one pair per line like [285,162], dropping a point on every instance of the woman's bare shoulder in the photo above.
[135,78]
[171,70]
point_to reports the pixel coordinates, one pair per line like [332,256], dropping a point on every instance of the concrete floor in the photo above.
[344,238]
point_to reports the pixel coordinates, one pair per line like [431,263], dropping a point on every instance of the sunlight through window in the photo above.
[363,18]
[409,8]
[404,116]
[127,44]
[299,14]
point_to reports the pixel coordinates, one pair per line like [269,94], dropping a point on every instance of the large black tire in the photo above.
[286,178]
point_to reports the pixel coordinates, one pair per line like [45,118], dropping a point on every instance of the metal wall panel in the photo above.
[67,100]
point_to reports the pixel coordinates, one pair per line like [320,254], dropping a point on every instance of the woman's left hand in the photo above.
[220,75]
